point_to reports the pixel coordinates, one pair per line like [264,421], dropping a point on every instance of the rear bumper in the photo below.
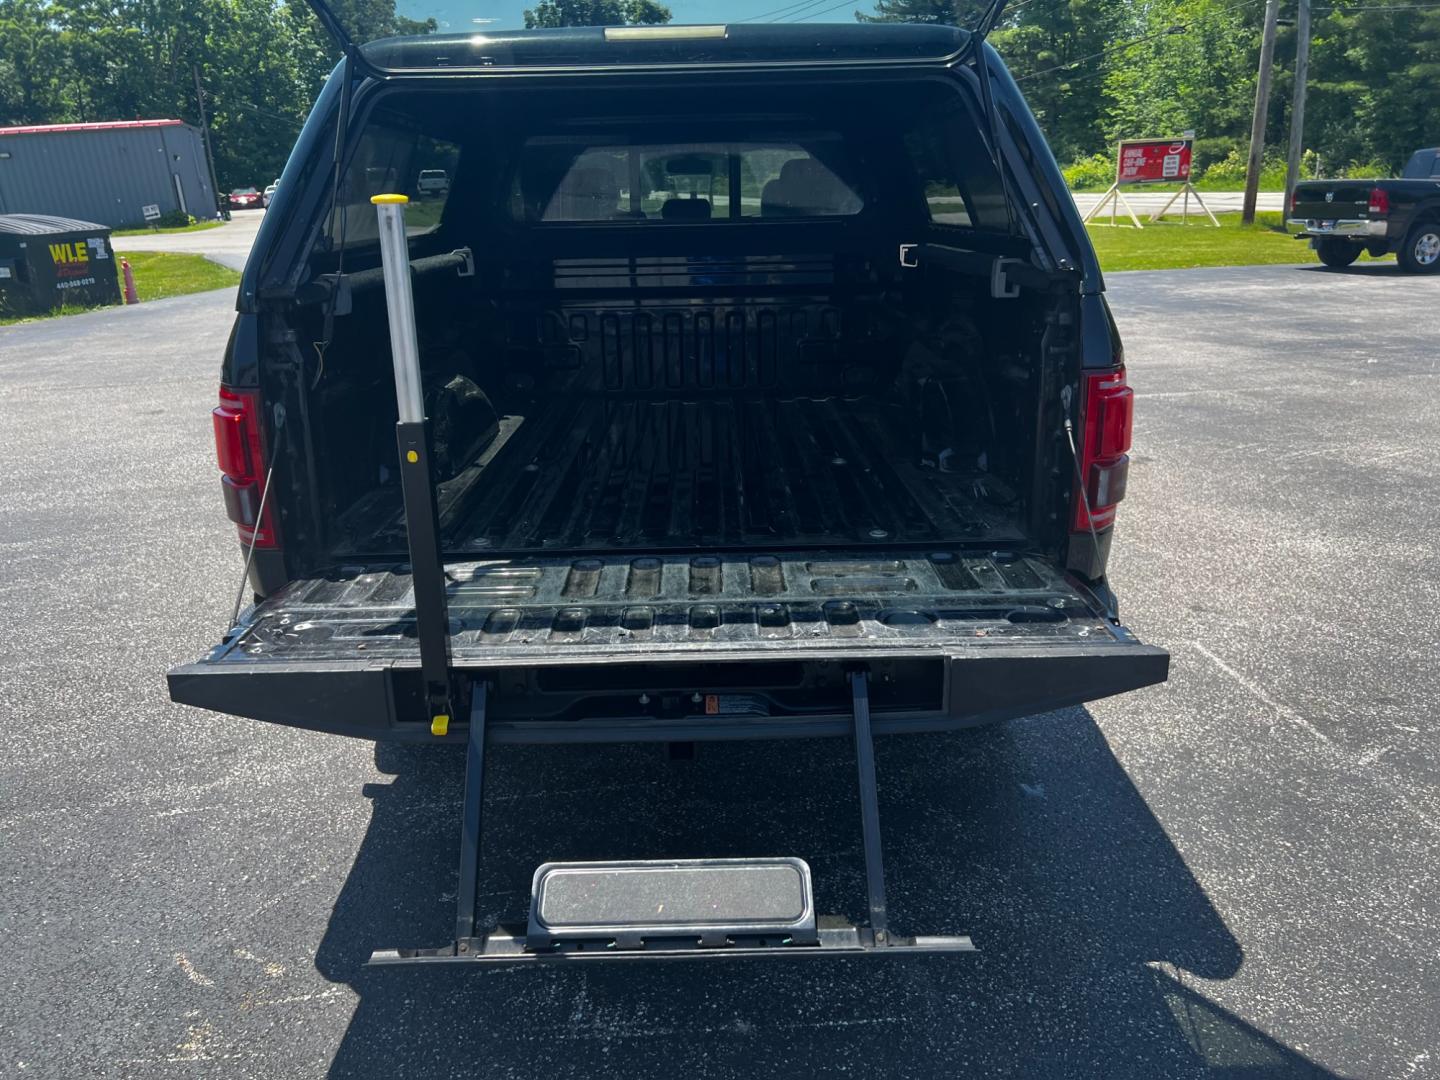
[966,687]
[1349,228]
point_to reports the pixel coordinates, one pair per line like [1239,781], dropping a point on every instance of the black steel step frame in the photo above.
[833,938]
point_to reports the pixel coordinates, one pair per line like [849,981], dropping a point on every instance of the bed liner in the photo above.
[606,475]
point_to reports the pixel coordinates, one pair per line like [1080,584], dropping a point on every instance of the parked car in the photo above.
[1342,218]
[269,193]
[432,183]
[771,391]
[245,198]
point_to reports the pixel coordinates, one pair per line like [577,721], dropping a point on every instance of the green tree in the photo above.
[32,63]
[596,13]
[1044,43]
[1189,66]
[1057,50]
[1374,90]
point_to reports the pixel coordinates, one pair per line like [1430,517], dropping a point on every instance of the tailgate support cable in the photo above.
[1079,473]
[259,517]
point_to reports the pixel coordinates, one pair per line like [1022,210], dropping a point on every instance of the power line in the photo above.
[827,11]
[802,12]
[1117,47]
[788,9]
[266,112]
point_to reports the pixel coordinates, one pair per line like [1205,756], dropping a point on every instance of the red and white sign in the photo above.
[1153,161]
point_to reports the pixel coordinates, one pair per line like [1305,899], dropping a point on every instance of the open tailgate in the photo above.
[681,647]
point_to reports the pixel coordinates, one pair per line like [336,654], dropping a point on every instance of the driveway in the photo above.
[228,244]
[1233,874]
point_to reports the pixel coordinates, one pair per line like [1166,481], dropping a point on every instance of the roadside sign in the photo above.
[1153,161]
[151,212]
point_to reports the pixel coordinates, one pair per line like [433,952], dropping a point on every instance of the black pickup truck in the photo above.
[1342,218]
[771,393]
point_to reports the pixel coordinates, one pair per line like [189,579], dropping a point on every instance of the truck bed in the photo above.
[662,474]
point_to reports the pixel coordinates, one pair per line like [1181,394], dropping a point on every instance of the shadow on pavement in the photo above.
[1385,268]
[1030,836]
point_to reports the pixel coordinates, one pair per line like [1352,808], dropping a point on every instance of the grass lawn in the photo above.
[199,226]
[1172,246]
[158,274]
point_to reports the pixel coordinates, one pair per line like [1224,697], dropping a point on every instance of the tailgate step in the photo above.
[673,908]
[708,901]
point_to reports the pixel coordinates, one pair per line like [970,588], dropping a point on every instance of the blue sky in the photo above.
[458,15]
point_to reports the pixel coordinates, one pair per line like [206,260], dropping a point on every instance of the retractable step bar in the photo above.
[685,908]
[672,909]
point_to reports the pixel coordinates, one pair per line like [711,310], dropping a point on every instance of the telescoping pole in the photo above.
[432,618]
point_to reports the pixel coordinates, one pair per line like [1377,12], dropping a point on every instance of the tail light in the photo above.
[1294,200]
[1106,425]
[1379,202]
[242,466]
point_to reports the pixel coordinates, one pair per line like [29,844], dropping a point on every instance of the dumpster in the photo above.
[49,262]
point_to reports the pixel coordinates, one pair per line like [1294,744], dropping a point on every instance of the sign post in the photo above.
[1151,161]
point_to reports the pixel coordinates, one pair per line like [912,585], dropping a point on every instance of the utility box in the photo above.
[50,262]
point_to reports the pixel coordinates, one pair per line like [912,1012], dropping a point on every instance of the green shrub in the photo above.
[1366,170]
[1098,170]
[174,219]
[1230,171]
[1209,151]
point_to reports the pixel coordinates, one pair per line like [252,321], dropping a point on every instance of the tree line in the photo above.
[1094,71]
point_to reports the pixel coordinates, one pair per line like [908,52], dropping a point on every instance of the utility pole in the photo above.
[1297,107]
[205,135]
[1262,106]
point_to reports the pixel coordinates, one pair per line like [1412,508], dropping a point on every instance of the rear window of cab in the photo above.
[563,179]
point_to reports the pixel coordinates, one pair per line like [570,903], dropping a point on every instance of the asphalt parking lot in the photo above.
[1234,874]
